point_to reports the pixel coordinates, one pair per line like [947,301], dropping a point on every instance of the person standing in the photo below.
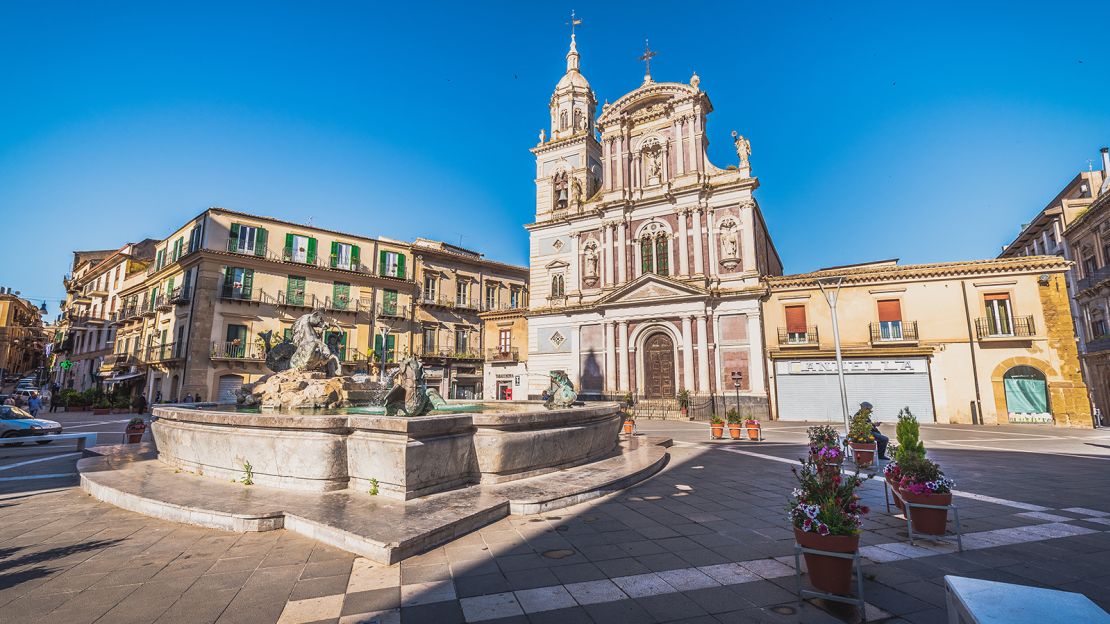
[55,401]
[139,404]
[34,404]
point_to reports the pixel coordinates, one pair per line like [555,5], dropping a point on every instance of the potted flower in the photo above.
[135,429]
[893,475]
[861,439]
[923,482]
[755,430]
[826,515]
[683,397]
[823,437]
[909,445]
[716,427]
[735,424]
[629,422]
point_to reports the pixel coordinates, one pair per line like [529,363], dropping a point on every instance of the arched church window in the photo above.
[559,185]
[563,120]
[557,286]
[655,249]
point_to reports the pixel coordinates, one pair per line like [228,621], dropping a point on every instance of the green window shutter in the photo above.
[233,242]
[378,346]
[288,334]
[401,266]
[260,242]
[169,287]
[312,251]
[159,259]
[381,263]
[390,341]
[248,283]
[334,254]
[288,247]
[341,295]
[354,258]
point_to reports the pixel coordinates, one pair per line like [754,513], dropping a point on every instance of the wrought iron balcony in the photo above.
[1094,279]
[1018,327]
[392,310]
[164,352]
[447,352]
[297,299]
[894,331]
[238,350]
[510,354]
[807,338]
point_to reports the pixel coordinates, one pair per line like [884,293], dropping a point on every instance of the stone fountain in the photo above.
[384,469]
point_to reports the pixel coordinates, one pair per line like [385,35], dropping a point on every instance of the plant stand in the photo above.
[946,537]
[812,593]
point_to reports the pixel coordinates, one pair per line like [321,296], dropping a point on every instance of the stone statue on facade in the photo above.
[655,165]
[543,135]
[743,148]
[730,243]
[564,395]
[590,263]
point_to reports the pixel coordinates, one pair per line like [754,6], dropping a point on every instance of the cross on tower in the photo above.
[646,58]
[574,21]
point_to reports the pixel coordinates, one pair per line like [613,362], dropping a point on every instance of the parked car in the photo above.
[17,423]
[23,394]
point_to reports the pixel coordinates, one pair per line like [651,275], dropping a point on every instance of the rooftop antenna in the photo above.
[646,58]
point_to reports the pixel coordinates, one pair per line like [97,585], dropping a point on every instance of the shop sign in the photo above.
[828,367]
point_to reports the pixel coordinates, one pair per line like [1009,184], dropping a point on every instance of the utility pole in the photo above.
[831,297]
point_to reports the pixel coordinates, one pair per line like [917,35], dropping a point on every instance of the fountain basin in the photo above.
[404,457]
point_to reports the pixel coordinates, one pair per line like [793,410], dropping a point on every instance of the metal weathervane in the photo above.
[574,21]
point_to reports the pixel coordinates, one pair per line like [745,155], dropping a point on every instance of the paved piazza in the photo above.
[703,541]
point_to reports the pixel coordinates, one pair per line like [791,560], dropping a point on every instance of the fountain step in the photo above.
[383,530]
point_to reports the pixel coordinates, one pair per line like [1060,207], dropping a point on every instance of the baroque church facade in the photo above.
[645,257]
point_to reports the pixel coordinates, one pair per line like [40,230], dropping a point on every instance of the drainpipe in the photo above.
[974,366]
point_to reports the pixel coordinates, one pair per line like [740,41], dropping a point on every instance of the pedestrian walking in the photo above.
[34,404]
[55,401]
[139,404]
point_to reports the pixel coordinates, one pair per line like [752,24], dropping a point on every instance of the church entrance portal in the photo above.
[659,367]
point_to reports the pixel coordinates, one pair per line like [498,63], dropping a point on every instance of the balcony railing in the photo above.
[169,260]
[297,299]
[1018,327]
[393,310]
[254,295]
[447,352]
[163,352]
[499,307]
[509,354]
[238,351]
[807,338]
[345,304]
[162,303]
[180,295]
[460,303]
[1094,279]
[894,331]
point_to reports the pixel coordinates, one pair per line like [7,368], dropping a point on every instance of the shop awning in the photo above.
[124,377]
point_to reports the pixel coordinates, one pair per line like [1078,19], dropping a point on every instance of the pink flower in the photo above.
[823,529]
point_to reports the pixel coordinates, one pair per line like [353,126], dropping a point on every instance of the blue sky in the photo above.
[878,130]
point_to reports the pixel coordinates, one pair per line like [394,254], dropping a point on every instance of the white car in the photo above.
[16,423]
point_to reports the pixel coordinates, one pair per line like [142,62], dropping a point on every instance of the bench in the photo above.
[83,439]
[975,601]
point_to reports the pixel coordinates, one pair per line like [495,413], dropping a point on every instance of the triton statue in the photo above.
[564,395]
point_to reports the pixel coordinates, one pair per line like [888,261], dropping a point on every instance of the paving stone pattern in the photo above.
[704,541]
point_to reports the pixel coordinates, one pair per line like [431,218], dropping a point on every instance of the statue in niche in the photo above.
[579,120]
[730,242]
[576,191]
[590,263]
[655,165]
[560,188]
[743,148]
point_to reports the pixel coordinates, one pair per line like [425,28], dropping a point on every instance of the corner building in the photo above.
[645,258]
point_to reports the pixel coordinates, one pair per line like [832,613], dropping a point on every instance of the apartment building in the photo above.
[506,354]
[22,335]
[456,286]
[975,342]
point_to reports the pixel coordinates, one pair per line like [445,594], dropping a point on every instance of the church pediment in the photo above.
[650,288]
[556,264]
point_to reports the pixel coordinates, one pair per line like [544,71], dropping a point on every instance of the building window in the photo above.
[389,302]
[1098,328]
[294,290]
[430,284]
[461,334]
[344,256]
[391,264]
[238,283]
[890,319]
[514,298]
[340,295]
[505,340]
[462,293]
[385,351]
[429,340]
[300,249]
[999,314]
[1090,265]
[244,239]
[557,286]
[491,297]
[796,324]
[655,249]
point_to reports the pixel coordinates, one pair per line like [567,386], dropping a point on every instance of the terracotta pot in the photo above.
[753,433]
[101,411]
[928,521]
[894,494]
[734,431]
[135,434]
[828,574]
[717,431]
[629,425]
[864,453]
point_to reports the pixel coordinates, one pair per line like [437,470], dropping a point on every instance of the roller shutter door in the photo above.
[228,385]
[809,390]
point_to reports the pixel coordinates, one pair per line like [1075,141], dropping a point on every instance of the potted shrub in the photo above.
[861,439]
[909,445]
[826,515]
[629,422]
[102,407]
[754,429]
[735,424]
[136,427]
[716,427]
[683,401]
[121,404]
[923,482]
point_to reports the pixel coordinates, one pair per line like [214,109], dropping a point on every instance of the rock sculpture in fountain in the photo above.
[306,377]
[564,395]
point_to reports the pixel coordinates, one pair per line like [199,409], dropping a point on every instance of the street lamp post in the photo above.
[737,380]
[831,296]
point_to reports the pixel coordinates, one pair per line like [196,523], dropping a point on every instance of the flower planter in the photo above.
[753,433]
[734,431]
[717,431]
[894,494]
[927,521]
[828,574]
[864,452]
[135,434]
[629,426]
[101,411]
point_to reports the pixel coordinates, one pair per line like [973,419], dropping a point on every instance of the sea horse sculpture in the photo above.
[307,351]
[564,394]
[409,394]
